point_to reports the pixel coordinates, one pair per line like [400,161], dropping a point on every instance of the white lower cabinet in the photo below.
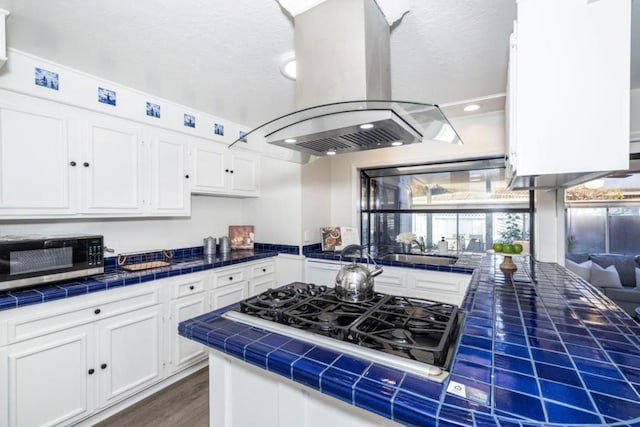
[65,361]
[229,294]
[391,282]
[262,277]
[48,380]
[185,352]
[129,356]
[230,285]
[64,376]
[438,286]
[189,298]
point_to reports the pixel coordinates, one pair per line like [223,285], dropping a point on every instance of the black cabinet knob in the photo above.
[96,311]
[91,371]
[103,366]
[231,171]
[192,287]
[264,270]
[230,277]
[186,176]
[85,164]
[226,170]
[72,163]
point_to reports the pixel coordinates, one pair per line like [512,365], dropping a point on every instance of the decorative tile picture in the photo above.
[106,96]
[243,137]
[241,236]
[189,121]
[47,79]
[153,110]
[218,129]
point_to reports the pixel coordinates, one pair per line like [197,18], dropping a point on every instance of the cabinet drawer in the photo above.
[187,287]
[263,269]
[69,313]
[229,277]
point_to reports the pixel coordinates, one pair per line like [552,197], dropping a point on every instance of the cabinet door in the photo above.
[243,174]
[35,163]
[129,353]
[208,168]
[185,351]
[48,380]
[261,284]
[228,295]
[439,286]
[169,175]
[112,168]
[391,282]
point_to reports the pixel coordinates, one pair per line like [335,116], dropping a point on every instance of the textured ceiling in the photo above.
[223,56]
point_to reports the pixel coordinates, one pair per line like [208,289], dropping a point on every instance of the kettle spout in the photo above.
[377,271]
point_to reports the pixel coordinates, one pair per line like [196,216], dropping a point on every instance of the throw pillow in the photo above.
[605,277]
[638,277]
[583,269]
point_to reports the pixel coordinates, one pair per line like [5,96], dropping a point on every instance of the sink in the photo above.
[421,259]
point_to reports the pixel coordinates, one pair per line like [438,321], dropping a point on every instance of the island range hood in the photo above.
[343,89]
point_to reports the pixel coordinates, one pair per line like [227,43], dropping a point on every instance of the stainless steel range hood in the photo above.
[343,89]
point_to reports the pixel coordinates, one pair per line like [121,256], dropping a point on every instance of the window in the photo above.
[467,203]
[604,215]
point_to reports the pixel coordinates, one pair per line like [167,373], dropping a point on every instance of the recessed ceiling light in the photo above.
[290,140]
[366,126]
[396,143]
[472,107]
[288,66]
[331,152]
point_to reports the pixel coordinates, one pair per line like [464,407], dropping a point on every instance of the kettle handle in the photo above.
[351,248]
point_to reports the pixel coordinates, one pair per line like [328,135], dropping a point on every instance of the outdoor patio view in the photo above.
[604,215]
[466,203]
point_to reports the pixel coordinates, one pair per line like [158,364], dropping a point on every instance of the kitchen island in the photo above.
[543,349]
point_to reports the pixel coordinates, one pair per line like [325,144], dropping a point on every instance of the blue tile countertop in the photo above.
[185,261]
[546,349]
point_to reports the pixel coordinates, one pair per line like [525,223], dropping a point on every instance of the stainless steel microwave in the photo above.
[33,260]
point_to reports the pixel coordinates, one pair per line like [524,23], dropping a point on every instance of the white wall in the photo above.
[316,199]
[276,214]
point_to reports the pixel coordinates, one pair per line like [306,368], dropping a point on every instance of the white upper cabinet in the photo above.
[218,170]
[34,160]
[111,165]
[170,194]
[90,166]
[568,95]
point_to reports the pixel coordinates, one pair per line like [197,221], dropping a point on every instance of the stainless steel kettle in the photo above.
[354,282]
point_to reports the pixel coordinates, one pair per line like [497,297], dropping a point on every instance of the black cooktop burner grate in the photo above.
[414,328]
[270,304]
[410,328]
[327,315]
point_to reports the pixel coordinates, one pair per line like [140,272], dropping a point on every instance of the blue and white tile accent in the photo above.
[544,349]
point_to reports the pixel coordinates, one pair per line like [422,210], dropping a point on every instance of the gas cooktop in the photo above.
[416,335]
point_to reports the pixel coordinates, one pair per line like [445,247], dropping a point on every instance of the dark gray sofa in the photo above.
[628,295]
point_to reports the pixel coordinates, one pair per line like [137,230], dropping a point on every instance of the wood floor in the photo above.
[185,403]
